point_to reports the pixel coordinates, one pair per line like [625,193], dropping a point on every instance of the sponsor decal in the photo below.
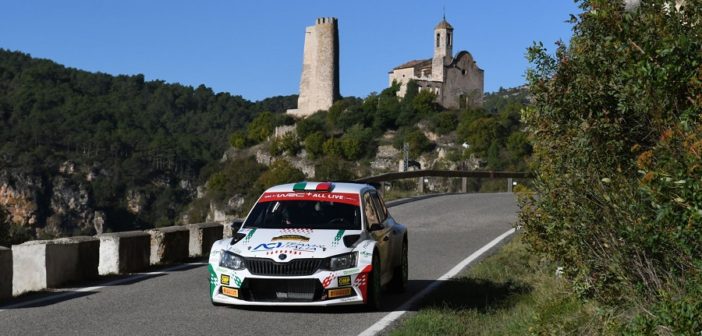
[346,198]
[366,254]
[296,231]
[343,280]
[338,292]
[362,282]
[228,291]
[291,237]
[224,279]
[249,235]
[327,281]
[213,279]
[275,247]
[337,238]
[351,271]
[237,281]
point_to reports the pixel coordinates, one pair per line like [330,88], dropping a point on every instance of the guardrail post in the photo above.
[509,184]
[5,273]
[464,185]
[420,185]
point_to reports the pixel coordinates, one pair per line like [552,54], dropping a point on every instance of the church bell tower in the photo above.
[443,49]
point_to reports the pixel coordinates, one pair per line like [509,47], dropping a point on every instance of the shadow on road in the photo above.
[455,294]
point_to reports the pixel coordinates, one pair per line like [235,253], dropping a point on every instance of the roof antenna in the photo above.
[444,12]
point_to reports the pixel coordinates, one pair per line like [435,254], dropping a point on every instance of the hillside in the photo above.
[82,152]
[361,137]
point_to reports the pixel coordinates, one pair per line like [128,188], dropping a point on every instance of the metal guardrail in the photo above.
[444,173]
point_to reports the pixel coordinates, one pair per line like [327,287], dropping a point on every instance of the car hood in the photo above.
[294,243]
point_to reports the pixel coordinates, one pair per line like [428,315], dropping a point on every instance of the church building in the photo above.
[456,81]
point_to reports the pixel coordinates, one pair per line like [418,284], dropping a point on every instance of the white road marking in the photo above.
[391,317]
[134,277]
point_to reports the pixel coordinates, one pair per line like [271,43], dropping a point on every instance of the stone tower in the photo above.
[443,49]
[319,85]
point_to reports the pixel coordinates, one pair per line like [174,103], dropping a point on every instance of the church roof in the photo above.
[414,64]
[444,25]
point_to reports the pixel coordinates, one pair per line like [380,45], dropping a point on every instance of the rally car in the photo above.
[311,244]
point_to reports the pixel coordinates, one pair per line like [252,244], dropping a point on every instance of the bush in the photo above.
[333,169]
[314,144]
[617,147]
[279,172]
[418,142]
[357,143]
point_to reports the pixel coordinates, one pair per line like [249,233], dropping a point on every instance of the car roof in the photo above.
[339,187]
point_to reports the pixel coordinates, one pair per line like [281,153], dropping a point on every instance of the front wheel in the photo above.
[401,272]
[373,301]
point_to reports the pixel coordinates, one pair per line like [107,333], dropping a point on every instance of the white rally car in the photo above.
[311,244]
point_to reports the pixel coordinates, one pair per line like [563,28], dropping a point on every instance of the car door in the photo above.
[394,232]
[381,236]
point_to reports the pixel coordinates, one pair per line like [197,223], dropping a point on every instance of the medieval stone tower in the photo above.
[319,85]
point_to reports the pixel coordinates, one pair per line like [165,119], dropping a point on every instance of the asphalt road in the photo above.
[442,232]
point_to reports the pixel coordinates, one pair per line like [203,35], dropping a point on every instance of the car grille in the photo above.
[283,290]
[297,267]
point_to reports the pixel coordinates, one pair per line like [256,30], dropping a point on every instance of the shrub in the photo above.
[616,132]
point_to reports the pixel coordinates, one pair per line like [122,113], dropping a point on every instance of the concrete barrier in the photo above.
[5,273]
[42,264]
[202,236]
[169,244]
[124,252]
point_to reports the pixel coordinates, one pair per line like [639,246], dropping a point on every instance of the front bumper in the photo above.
[323,288]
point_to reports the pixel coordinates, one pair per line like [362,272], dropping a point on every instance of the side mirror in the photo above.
[236,225]
[375,227]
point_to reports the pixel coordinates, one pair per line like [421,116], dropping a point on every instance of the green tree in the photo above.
[238,139]
[261,127]
[357,143]
[333,169]
[616,130]
[279,172]
[314,144]
[332,147]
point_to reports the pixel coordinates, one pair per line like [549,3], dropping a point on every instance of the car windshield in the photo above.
[304,215]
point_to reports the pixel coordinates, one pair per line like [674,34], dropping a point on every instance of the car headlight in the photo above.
[231,261]
[343,261]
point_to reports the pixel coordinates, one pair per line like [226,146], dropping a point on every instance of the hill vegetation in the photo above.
[83,152]
[110,137]
[342,142]
[617,134]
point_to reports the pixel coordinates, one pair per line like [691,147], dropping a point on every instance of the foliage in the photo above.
[132,133]
[279,172]
[443,122]
[332,148]
[334,169]
[261,127]
[238,139]
[616,133]
[311,124]
[418,142]
[357,143]
[314,144]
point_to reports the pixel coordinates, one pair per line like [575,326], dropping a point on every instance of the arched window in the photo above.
[448,39]
[437,39]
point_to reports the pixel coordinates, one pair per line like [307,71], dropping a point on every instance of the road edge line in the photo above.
[384,322]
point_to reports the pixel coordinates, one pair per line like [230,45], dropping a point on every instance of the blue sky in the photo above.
[254,48]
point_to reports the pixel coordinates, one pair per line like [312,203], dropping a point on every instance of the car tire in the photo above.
[401,273]
[374,301]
